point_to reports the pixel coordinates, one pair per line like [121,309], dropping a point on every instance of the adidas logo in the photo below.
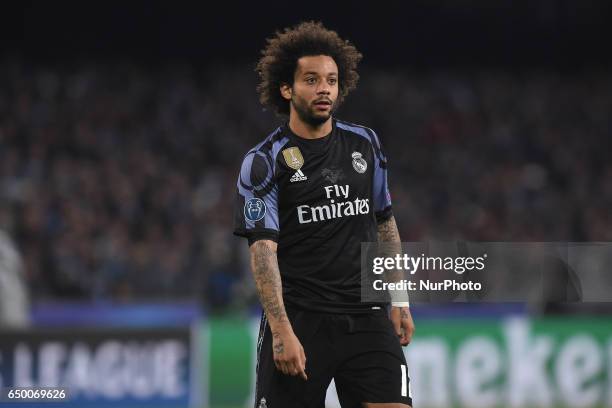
[298,176]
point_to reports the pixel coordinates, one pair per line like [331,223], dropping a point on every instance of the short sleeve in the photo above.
[380,190]
[256,204]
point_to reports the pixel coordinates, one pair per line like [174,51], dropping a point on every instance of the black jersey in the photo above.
[319,199]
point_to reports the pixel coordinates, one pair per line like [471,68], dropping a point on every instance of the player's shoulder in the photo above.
[358,130]
[265,146]
[258,162]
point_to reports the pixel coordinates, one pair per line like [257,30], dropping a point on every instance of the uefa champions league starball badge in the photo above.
[254,209]
[359,163]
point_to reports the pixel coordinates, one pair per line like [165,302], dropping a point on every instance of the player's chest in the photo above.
[340,173]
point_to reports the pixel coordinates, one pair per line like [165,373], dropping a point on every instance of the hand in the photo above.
[403,324]
[289,356]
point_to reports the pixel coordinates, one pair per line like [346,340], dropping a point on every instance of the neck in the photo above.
[308,131]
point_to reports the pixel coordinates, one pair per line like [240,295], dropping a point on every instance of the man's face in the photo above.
[315,89]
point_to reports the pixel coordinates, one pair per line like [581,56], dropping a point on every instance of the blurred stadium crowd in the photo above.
[117,181]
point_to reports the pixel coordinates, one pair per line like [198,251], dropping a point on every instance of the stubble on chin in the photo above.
[309,116]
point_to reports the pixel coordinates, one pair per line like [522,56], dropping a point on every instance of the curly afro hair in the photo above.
[279,61]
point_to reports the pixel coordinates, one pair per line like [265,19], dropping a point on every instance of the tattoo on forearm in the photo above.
[268,281]
[388,236]
[404,313]
[387,231]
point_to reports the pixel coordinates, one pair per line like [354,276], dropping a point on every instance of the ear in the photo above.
[286,91]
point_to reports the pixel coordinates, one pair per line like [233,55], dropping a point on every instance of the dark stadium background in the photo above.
[417,34]
[122,126]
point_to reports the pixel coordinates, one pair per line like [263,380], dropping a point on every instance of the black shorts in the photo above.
[360,352]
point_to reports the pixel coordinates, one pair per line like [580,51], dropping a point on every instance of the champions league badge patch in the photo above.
[359,163]
[254,209]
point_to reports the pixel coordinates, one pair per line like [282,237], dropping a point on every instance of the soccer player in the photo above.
[308,195]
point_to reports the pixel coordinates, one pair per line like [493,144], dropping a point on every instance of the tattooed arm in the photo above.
[389,246]
[289,354]
[268,281]
[400,315]
[387,231]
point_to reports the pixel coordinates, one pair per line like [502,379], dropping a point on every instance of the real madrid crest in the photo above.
[359,163]
[293,157]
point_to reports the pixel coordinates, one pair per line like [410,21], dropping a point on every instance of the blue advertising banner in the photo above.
[103,367]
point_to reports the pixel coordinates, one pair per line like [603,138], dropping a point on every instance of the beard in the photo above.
[307,114]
